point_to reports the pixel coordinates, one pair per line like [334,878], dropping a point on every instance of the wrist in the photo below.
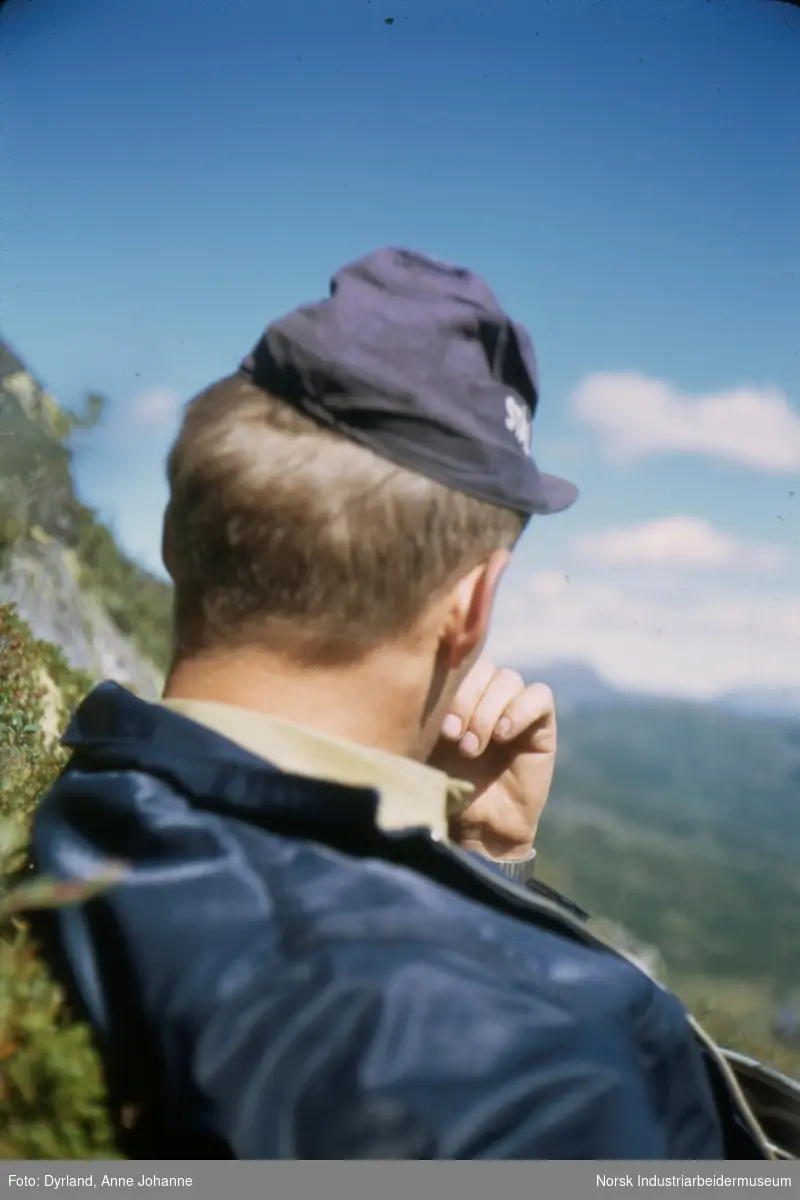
[498,849]
[519,868]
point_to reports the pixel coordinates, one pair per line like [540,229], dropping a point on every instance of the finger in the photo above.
[466,699]
[532,712]
[504,687]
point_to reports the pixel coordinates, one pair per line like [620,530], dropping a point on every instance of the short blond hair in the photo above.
[279,532]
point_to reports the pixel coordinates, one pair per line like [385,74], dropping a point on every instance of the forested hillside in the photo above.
[682,823]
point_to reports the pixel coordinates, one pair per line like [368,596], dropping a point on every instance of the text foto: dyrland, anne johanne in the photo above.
[113,1181]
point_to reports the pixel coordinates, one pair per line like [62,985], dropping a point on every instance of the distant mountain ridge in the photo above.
[577,685]
[574,684]
[767,702]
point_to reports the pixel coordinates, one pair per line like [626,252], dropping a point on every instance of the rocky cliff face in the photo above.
[58,564]
[42,578]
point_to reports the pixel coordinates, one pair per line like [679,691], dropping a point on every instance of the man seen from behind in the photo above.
[329,942]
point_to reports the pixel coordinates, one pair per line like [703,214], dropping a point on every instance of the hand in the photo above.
[501,737]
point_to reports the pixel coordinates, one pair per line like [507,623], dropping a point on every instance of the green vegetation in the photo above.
[52,1098]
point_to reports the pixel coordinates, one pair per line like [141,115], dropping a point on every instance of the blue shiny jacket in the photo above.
[277,978]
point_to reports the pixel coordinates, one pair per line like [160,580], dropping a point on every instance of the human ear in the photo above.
[469,611]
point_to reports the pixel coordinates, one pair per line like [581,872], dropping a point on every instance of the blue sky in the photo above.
[625,175]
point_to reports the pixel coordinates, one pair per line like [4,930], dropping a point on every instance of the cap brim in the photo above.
[555,495]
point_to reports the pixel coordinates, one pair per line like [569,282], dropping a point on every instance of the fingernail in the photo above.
[451,727]
[503,727]
[469,743]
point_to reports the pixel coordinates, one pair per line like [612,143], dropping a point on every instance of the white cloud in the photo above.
[636,417]
[157,407]
[677,543]
[682,643]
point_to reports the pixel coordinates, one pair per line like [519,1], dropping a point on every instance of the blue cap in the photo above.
[415,359]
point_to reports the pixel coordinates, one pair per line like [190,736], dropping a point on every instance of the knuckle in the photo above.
[510,678]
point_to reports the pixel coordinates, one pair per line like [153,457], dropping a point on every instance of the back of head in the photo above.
[372,449]
[282,533]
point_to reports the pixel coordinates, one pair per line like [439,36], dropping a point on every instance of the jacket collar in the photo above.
[411,794]
[112,728]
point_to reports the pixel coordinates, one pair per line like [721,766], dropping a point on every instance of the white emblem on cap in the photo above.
[518,422]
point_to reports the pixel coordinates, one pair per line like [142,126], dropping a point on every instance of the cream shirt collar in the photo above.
[411,793]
